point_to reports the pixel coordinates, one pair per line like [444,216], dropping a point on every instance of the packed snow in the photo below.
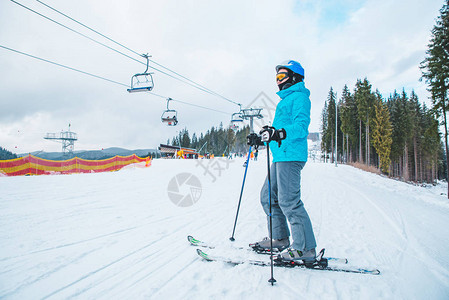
[122,235]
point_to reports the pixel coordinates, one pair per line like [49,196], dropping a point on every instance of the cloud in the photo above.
[229,47]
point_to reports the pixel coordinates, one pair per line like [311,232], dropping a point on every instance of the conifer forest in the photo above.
[399,135]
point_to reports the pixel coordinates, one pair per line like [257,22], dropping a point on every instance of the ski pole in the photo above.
[271,280]
[241,193]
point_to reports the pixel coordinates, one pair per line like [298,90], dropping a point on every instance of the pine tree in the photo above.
[324,128]
[406,120]
[365,104]
[417,133]
[194,142]
[5,154]
[185,138]
[240,140]
[381,134]
[404,135]
[348,117]
[340,141]
[230,140]
[329,134]
[397,116]
[435,70]
[431,146]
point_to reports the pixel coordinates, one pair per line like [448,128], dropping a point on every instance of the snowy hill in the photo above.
[120,235]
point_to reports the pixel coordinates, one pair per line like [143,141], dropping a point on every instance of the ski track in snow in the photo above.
[118,236]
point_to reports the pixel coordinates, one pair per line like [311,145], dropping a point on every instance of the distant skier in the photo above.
[289,157]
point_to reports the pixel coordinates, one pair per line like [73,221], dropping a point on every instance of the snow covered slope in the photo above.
[120,236]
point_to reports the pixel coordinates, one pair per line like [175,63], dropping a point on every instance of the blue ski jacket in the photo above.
[292,114]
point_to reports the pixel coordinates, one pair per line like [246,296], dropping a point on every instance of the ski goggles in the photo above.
[281,76]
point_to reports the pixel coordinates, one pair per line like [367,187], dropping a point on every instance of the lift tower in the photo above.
[67,138]
[251,114]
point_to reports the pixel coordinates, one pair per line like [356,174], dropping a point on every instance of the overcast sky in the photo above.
[230,47]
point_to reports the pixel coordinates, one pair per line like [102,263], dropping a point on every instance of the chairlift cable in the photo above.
[104,45]
[133,51]
[208,90]
[63,66]
[191,104]
[196,85]
[103,78]
[75,31]
[199,106]
[91,29]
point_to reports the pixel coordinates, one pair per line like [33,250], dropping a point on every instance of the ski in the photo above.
[199,243]
[320,264]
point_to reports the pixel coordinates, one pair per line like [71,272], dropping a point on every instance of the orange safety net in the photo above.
[32,165]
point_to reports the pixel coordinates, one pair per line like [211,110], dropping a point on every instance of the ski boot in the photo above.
[264,245]
[308,257]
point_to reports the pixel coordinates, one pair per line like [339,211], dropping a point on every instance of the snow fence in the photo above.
[32,165]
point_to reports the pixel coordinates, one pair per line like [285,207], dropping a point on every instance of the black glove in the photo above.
[254,140]
[269,133]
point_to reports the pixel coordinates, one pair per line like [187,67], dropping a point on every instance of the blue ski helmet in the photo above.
[292,65]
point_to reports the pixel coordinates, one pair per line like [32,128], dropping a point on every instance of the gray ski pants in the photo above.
[287,205]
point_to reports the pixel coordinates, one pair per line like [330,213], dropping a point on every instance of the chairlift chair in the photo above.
[236,118]
[170,116]
[142,82]
[236,121]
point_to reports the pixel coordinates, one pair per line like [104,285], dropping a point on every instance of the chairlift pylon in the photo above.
[170,116]
[142,82]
